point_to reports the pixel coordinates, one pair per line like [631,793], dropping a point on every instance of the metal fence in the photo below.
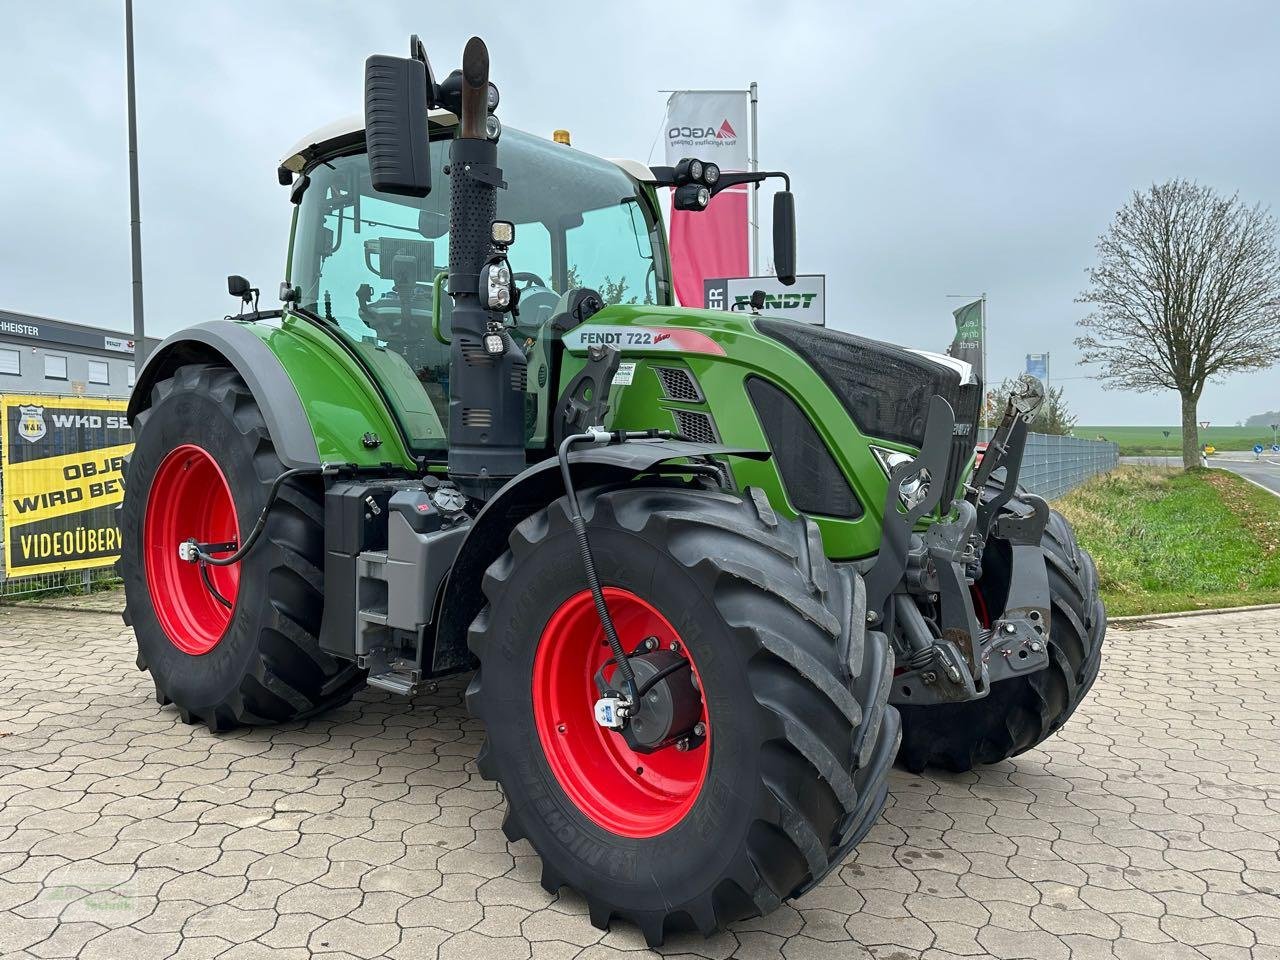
[1053,465]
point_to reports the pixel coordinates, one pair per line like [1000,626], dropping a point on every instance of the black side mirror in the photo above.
[395,125]
[784,236]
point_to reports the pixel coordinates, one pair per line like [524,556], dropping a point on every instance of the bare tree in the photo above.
[1186,289]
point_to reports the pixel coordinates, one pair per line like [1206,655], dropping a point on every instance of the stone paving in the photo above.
[1148,828]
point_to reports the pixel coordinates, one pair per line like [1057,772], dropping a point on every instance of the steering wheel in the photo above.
[529,280]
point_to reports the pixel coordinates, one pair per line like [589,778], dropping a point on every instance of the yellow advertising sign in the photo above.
[62,476]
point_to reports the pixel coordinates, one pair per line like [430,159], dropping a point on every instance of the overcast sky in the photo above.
[935,147]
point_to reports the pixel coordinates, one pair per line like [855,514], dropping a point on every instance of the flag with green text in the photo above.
[967,345]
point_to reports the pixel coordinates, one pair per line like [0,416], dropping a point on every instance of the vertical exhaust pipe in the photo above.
[486,391]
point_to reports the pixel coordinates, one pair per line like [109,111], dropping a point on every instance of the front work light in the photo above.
[692,196]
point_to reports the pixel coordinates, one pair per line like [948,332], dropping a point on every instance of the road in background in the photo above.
[1264,470]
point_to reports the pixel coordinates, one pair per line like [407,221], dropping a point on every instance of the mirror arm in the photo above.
[734,179]
[666,177]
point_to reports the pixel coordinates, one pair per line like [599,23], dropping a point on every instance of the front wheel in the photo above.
[772,730]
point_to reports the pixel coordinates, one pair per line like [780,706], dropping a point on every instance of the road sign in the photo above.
[1257,448]
[1275,448]
[1166,434]
[1204,424]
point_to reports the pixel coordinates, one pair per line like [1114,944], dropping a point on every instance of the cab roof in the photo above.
[349,130]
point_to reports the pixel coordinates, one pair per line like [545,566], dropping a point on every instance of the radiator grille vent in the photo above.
[520,378]
[480,417]
[695,426]
[679,384]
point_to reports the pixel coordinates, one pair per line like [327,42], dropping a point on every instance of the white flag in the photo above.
[708,126]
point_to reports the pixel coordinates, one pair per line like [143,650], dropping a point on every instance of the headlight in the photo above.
[710,174]
[915,490]
[495,285]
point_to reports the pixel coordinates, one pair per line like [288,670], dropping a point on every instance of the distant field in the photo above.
[1150,441]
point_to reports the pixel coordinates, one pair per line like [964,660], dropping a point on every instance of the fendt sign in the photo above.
[804,300]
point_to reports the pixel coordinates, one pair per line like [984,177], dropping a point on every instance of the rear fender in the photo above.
[318,402]
[230,344]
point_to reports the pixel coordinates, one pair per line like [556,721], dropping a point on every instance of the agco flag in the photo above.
[709,126]
[61,472]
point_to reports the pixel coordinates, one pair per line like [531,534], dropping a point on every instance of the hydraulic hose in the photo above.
[589,564]
[596,435]
[258,527]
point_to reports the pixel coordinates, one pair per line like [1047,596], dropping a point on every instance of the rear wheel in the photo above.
[787,735]
[236,644]
[1019,712]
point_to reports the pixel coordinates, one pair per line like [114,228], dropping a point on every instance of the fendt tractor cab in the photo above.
[712,571]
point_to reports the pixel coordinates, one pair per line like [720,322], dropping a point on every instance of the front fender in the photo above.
[523,496]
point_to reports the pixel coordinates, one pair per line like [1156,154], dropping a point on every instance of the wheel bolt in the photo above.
[699,729]
[675,646]
[561,728]
[682,745]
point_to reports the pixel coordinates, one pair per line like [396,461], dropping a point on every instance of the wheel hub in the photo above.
[670,708]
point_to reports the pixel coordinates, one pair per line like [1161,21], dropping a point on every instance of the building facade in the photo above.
[40,355]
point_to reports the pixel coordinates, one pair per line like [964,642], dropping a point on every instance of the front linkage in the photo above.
[920,589]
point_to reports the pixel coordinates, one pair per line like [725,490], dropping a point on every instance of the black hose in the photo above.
[589,567]
[258,527]
[662,674]
[208,585]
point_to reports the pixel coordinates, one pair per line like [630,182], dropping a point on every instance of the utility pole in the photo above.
[135,218]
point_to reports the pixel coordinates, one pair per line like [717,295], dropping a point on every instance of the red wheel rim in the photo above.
[190,497]
[594,765]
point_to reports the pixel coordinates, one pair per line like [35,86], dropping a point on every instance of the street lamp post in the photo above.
[135,218]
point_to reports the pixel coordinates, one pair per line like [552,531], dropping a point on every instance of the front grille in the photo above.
[679,384]
[695,426]
[814,481]
[885,389]
[480,417]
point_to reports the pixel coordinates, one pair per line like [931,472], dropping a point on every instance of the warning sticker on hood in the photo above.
[646,339]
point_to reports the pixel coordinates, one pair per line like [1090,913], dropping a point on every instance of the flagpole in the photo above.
[985,374]
[755,188]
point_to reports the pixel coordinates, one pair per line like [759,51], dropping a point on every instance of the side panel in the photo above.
[722,350]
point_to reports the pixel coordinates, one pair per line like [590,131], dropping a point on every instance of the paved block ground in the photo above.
[1149,828]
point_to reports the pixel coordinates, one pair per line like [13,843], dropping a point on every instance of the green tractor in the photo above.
[712,572]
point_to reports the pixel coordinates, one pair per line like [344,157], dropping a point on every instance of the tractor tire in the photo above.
[793,692]
[1020,712]
[201,467]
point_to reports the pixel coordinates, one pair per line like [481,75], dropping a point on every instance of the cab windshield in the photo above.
[369,262]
